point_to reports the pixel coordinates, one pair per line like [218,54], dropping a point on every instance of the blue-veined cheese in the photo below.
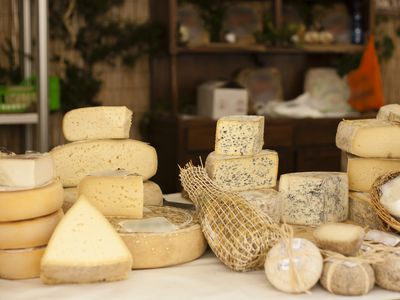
[267,200]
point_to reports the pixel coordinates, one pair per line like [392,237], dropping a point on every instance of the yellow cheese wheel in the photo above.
[27,204]
[21,263]
[28,233]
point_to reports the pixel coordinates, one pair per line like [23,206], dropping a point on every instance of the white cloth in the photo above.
[205,278]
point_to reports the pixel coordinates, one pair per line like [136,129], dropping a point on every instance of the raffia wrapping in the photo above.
[375,194]
[238,233]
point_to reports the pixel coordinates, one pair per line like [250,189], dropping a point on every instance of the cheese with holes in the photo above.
[313,198]
[362,212]
[240,173]
[363,172]
[343,238]
[115,193]
[85,248]
[165,236]
[76,160]
[152,194]
[239,135]
[21,263]
[369,138]
[268,200]
[28,233]
[26,170]
[27,204]
[101,122]
[390,112]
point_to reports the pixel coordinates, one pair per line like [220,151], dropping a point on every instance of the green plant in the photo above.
[98,38]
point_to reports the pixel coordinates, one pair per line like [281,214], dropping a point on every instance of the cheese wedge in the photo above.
[28,233]
[369,138]
[76,160]
[116,193]
[363,172]
[85,248]
[21,263]
[390,112]
[26,171]
[101,122]
[28,204]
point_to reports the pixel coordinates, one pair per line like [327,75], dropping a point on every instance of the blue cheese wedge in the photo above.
[239,135]
[241,173]
[313,198]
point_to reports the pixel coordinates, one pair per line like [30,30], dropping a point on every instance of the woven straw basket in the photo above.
[375,193]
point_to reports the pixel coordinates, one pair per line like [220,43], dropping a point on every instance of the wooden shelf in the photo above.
[227,48]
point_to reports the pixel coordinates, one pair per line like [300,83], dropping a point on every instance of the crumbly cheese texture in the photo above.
[390,112]
[390,196]
[101,122]
[340,237]
[115,193]
[267,200]
[28,233]
[27,204]
[21,263]
[314,198]
[76,160]
[369,138]
[26,170]
[85,248]
[307,260]
[239,135]
[387,274]
[166,236]
[363,172]
[240,173]
[362,212]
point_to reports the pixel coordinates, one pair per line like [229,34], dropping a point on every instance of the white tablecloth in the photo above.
[205,278]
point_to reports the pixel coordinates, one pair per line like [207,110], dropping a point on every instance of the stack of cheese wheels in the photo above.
[239,163]
[100,146]
[373,149]
[30,208]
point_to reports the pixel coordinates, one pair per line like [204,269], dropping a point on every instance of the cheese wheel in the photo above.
[387,273]
[28,204]
[28,233]
[21,263]
[165,236]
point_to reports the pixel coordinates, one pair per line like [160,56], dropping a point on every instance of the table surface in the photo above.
[205,278]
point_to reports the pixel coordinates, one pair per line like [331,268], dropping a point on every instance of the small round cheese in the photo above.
[307,261]
[387,274]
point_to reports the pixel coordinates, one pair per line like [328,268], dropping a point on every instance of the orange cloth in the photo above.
[365,82]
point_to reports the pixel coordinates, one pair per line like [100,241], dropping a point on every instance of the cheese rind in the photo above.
[26,171]
[76,160]
[268,200]
[21,263]
[152,194]
[240,173]
[101,122]
[28,233]
[369,138]
[390,112]
[116,193]
[314,198]
[239,135]
[362,212]
[85,248]
[167,236]
[363,172]
[28,204]
[387,273]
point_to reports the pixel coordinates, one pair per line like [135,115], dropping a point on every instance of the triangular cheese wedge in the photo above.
[85,248]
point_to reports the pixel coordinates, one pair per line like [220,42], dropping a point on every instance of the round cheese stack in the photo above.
[27,204]
[165,236]
[28,233]
[21,263]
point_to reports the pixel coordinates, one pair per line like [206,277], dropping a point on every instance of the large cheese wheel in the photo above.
[165,236]
[28,233]
[28,204]
[21,263]
[76,160]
